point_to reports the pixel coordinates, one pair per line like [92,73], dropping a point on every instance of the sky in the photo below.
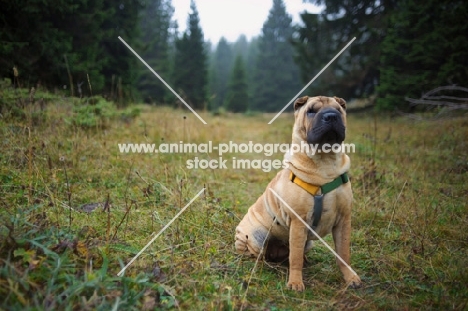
[231,18]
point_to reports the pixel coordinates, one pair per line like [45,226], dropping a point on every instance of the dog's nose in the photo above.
[330,116]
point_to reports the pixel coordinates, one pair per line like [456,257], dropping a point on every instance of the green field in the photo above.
[60,251]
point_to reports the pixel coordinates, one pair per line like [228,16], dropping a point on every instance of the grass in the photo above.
[75,210]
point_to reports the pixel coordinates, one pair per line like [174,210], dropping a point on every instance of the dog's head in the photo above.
[321,119]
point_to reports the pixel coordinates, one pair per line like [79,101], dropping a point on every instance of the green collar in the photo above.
[332,185]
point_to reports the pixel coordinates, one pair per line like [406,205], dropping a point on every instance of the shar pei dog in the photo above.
[314,183]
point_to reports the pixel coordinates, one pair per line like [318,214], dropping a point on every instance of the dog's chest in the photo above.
[322,221]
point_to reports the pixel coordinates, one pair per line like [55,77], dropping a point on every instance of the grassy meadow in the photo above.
[74,211]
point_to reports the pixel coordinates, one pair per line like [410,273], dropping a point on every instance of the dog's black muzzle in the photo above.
[327,127]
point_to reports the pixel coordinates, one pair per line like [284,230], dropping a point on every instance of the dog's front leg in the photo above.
[341,236]
[297,240]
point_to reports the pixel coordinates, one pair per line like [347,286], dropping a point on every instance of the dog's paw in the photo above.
[354,282]
[296,285]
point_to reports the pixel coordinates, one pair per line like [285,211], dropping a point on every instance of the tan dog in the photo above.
[319,121]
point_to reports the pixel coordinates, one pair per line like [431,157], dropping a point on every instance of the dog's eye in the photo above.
[310,112]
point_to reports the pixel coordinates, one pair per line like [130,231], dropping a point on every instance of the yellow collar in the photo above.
[312,189]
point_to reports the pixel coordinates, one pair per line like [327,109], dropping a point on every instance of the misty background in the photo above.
[402,49]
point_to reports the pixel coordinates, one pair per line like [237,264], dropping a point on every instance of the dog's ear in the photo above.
[340,101]
[300,102]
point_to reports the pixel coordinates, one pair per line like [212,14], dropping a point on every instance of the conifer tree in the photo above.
[156,23]
[276,75]
[355,73]
[122,20]
[190,69]
[45,40]
[426,47]
[220,70]
[237,99]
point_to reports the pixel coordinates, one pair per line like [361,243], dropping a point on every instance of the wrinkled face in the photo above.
[321,119]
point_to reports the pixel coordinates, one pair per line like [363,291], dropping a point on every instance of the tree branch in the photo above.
[446,88]
[436,103]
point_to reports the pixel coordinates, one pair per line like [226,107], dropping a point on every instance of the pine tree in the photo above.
[314,48]
[221,68]
[355,73]
[237,99]
[251,64]
[156,23]
[276,75]
[190,72]
[82,32]
[241,46]
[426,47]
[61,29]
[120,62]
